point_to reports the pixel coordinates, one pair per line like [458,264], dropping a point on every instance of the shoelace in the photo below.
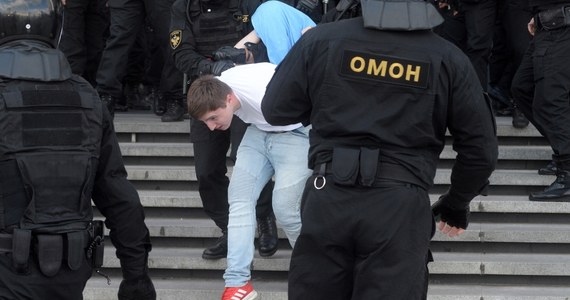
[266,225]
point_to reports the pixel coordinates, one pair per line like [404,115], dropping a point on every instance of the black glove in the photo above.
[214,67]
[454,215]
[140,288]
[230,53]
[219,66]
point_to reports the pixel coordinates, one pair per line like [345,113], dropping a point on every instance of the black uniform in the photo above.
[540,88]
[471,29]
[379,102]
[510,40]
[67,155]
[86,26]
[127,19]
[198,29]
[170,78]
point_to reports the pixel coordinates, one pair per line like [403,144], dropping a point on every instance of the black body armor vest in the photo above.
[217,24]
[49,148]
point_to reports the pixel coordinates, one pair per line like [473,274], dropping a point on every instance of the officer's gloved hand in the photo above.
[219,66]
[214,67]
[138,288]
[230,53]
[454,213]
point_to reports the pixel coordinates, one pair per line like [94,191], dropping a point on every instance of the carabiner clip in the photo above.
[319,187]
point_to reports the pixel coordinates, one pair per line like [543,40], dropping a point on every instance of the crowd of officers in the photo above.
[122,47]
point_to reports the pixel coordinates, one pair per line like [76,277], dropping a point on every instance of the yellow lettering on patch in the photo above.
[357,64]
[377,69]
[388,69]
[415,72]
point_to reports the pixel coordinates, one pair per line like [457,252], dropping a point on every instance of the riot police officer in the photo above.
[540,88]
[197,29]
[380,92]
[58,152]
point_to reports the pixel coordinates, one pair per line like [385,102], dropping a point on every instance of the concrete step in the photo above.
[480,232]
[211,289]
[142,122]
[447,263]
[506,152]
[146,122]
[484,204]
[170,199]
[157,149]
[187,173]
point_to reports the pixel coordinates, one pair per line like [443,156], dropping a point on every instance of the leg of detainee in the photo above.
[288,155]
[250,174]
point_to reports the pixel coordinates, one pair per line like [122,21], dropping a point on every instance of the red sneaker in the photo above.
[245,292]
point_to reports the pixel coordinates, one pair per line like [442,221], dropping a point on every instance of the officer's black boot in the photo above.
[519,119]
[135,96]
[268,240]
[559,190]
[174,111]
[219,249]
[549,169]
[109,102]
[156,99]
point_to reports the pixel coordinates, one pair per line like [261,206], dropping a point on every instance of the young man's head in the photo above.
[212,101]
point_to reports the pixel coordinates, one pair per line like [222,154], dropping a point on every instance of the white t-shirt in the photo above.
[248,83]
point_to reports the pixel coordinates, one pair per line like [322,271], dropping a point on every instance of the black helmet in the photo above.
[400,14]
[30,19]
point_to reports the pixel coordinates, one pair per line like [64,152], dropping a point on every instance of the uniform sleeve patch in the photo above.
[386,69]
[175,38]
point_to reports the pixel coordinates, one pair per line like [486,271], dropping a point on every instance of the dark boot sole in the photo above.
[206,256]
[546,172]
[550,199]
[267,254]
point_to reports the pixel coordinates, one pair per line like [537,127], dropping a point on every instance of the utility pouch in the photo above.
[50,253]
[554,18]
[368,165]
[97,244]
[21,240]
[76,242]
[345,165]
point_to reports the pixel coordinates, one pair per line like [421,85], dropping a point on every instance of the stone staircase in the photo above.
[513,248]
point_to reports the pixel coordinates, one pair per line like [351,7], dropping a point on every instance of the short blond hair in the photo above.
[207,93]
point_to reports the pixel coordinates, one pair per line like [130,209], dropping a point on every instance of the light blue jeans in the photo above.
[260,156]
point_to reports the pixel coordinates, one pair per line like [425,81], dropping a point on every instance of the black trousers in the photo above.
[85,29]
[210,154]
[541,86]
[510,40]
[170,77]
[138,57]
[66,285]
[126,21]
[479,22]
[362,243]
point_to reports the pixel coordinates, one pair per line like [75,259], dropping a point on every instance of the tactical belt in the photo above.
[49,249]
[553,18]
[387,175]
